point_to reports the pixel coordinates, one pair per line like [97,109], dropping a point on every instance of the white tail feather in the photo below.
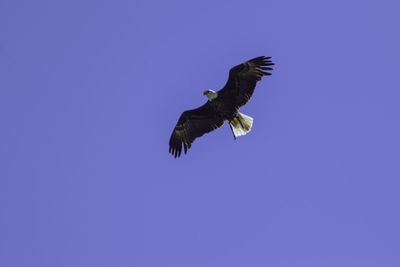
[241,124]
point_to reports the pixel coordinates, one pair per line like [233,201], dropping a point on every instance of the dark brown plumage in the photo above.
[236,93]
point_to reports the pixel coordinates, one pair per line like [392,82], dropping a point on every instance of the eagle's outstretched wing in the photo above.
[243,78]
[192,124]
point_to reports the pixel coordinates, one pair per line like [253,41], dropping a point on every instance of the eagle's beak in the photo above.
[205,92]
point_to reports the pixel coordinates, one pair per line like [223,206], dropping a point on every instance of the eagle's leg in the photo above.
[234,137]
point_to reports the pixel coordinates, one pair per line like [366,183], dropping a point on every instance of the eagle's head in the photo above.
[211,95]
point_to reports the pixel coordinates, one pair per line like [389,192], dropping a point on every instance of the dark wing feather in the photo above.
[192,124]
[243,78]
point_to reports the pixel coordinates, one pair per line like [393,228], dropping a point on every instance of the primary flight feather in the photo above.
[221,106]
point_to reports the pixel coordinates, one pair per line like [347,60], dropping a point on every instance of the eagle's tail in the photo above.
[240,124]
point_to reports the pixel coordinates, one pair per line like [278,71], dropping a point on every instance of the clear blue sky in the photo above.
[91,90]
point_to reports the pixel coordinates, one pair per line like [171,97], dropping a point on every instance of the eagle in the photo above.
[221,106]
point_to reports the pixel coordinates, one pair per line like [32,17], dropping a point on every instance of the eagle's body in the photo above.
[221,106]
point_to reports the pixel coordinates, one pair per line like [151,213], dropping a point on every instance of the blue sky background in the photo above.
[91,90]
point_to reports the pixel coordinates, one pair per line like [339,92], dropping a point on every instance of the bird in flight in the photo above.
[221,106]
